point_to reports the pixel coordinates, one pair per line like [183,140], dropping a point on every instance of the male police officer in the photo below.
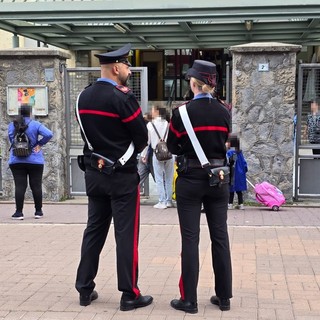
[110,119]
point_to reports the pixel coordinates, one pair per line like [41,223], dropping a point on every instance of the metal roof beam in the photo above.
[59,12]
[196,29]
[89,25]
[186,27]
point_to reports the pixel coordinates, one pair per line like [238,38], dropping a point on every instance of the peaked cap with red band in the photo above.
[204,71]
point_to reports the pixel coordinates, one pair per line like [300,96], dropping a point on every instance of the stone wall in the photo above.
[263,99]
[263,109]
[26,67]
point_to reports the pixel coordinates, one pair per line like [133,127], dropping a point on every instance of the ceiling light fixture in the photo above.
[120,28]
[248,24]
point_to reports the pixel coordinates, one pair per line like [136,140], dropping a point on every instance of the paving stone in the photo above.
[276,266]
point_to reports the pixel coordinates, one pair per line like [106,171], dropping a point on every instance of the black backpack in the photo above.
[161,151]
[21,144]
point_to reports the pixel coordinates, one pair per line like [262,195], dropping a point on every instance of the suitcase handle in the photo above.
[250,183]
[259,197]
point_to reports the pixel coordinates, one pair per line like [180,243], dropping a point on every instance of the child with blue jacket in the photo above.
[239,180]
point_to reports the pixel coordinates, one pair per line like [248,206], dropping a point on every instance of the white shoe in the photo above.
[169,204]
[230,206]
[241,207]
[160,205]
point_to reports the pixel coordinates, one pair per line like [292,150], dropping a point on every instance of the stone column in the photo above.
[263,99]
[44,67]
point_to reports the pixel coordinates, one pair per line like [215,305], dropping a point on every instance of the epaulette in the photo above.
[180,105]
[123,89]
[225,104]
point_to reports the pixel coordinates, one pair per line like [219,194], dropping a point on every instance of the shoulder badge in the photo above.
[123,89]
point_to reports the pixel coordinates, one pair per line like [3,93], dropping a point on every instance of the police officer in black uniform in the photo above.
[211,123]
[111,119]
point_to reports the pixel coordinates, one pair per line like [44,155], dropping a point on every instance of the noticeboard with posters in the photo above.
[36,96]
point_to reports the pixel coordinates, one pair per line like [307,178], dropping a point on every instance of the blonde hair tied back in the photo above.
[204,87]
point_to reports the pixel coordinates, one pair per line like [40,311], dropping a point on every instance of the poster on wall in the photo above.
[36,96]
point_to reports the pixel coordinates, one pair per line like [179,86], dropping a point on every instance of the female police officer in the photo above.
[211,123]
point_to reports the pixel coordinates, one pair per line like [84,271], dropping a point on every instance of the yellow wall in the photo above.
[6,40]
[7,43]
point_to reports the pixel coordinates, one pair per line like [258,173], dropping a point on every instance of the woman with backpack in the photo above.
[158,130]
[26,160]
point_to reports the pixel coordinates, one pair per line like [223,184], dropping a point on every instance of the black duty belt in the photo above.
[195,163]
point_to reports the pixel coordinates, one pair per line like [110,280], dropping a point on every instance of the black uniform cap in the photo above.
[204,71]
[120,55]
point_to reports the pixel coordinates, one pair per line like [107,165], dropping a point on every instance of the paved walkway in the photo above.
[276,265]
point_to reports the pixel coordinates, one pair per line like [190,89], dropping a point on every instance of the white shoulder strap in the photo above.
[80,124]
[127,155]
[193,138]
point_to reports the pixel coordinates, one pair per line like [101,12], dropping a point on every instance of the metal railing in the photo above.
[307,154]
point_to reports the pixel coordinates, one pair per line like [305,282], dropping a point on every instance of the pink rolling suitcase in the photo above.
[268,195]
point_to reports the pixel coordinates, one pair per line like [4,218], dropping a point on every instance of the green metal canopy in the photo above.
[176,24]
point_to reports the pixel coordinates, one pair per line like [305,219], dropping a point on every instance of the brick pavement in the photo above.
[276,265]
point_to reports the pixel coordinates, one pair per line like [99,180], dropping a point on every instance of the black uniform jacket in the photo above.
[211,123]
[112,119]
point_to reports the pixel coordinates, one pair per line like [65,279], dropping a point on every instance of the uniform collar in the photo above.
[107,80]
[202,95]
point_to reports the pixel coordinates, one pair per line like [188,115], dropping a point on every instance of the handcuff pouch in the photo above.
[80,160]
[102,164]
[218,176]
[182,163]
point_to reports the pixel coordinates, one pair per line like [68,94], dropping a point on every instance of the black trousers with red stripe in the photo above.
[118,197]
[192,189]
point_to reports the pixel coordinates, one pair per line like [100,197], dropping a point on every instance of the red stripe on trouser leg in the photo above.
[181,287]
[135,246]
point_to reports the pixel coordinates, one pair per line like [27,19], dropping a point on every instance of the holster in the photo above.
[182,163]
[80,160]
[102,164]
[218,176]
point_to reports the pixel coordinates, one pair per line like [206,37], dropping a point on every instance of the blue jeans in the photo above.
[163,174]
